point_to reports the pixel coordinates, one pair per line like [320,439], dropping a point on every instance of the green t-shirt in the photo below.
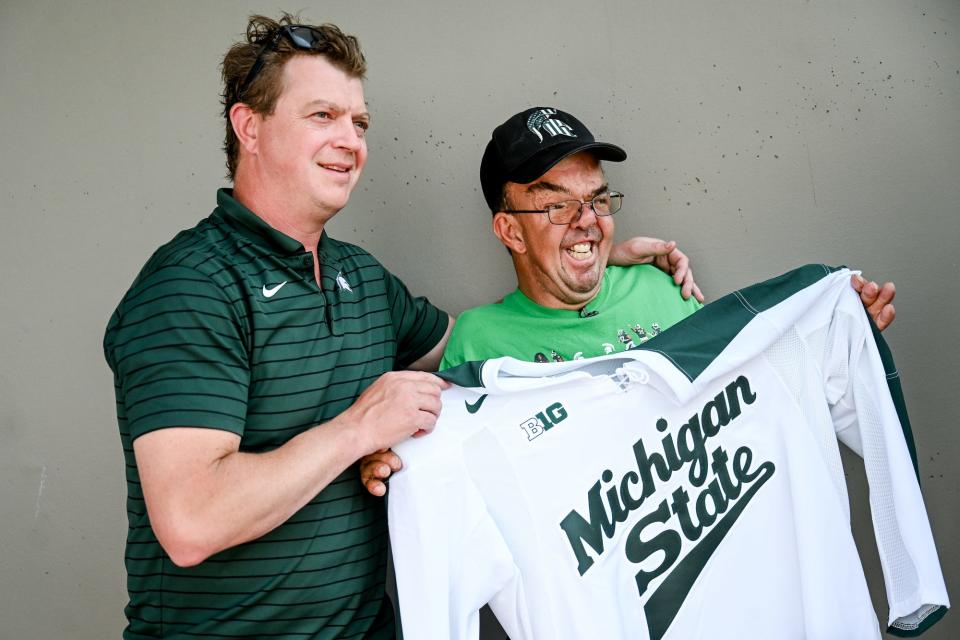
[226,328]
[633,305]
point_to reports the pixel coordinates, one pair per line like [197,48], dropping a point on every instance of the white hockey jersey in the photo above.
[691,488]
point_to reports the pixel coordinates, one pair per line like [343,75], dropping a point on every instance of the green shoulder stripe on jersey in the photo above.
[706,333]
[896,393]
[464,375]
[930,620]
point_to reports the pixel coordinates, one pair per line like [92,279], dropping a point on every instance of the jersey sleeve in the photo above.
[449,555]
[419,325]
[177,349]
[863,390]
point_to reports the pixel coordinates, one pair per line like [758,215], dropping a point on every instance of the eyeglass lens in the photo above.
[604,204]
[304,37]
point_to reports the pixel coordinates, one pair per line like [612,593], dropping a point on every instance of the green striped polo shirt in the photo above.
[226,328]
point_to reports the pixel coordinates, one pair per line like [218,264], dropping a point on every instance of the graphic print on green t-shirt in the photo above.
[633,305]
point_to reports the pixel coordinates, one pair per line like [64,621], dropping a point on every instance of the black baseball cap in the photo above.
[528,144]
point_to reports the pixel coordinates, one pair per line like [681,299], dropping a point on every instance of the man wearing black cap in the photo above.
[553,209]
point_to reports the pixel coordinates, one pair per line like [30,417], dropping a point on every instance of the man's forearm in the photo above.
[203,495]
[200,504]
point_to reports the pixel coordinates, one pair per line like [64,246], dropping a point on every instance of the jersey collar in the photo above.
[509,375]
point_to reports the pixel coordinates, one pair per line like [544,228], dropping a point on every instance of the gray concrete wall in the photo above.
[762,135]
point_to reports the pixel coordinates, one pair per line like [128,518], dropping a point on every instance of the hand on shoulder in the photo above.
[662,254]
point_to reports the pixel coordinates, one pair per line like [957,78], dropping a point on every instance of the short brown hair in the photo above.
[340,50]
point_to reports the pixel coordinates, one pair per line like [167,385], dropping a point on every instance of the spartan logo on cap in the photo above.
[541,119]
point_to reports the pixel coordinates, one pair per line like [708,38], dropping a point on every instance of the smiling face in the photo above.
[558,266]
[311,149]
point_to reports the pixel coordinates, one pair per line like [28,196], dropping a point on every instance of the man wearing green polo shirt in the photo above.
[256,359]
[255,362]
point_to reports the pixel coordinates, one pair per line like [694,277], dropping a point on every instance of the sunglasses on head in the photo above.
[300,36]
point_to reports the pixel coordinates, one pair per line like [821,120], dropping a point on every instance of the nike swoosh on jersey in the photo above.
[473,408]
[269,292]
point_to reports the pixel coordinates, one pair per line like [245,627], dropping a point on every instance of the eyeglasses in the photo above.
[300,36]
[567,211]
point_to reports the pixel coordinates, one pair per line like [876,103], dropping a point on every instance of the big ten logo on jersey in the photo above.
[544,421]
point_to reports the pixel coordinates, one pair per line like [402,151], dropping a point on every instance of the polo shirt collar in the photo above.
[255,229]
[329,252]
[251,226]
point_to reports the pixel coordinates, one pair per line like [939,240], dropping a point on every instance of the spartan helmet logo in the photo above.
[541,118]
[342,282]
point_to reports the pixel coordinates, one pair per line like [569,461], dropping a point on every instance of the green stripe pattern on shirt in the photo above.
[226,328]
